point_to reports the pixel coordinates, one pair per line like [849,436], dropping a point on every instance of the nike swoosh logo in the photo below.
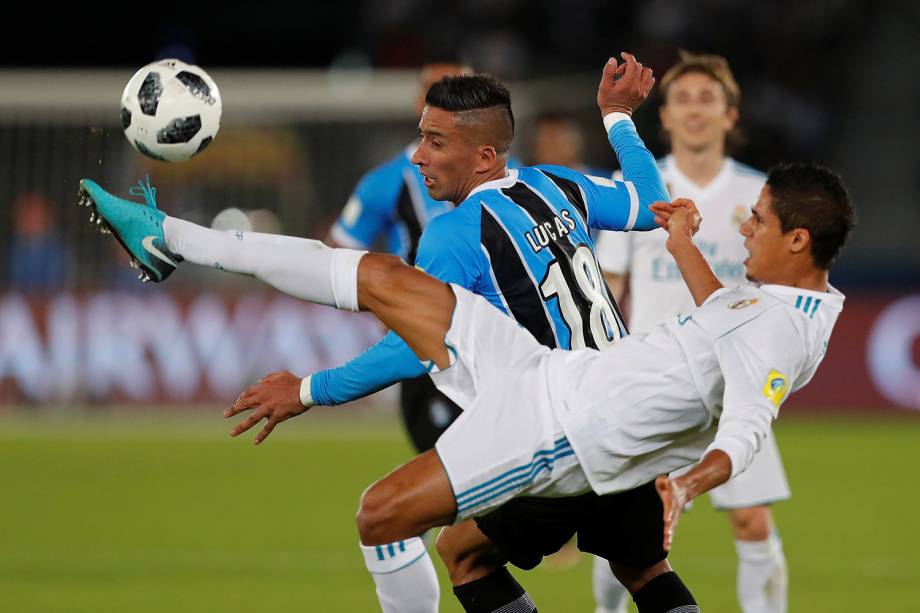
[147,243]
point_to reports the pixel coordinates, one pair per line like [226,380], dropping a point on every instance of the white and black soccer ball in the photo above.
[170,110]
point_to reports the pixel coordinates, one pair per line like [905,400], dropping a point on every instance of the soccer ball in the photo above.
[170,110]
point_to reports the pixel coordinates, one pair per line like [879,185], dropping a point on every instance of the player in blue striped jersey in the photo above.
[390,208]
[523,242]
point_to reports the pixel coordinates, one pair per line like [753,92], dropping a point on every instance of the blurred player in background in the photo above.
[558,140]
[391,207]
[699,113]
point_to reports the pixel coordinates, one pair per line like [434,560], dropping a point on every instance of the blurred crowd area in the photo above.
[829,81]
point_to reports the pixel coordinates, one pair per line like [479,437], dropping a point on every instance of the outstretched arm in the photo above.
[447,254]
[622,89]
[682,220]
[385,363]
[619,205]
[411,303]
[713,470]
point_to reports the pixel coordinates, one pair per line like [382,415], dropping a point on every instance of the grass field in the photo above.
[166,513]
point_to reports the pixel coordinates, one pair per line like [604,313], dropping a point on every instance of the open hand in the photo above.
[276,397]
[674,498]
[625,86]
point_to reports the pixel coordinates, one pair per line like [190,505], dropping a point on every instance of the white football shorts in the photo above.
[507,441]
[763,482]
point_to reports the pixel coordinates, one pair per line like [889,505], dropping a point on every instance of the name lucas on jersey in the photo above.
[541,234]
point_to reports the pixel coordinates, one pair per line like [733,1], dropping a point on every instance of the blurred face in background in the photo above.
[431,73]
[32,215]
[696,113]
[558,142]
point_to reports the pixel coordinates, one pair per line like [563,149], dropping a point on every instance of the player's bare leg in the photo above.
[478,573]
[467,553]
[407,502]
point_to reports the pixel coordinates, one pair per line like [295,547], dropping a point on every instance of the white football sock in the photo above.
[609,594]
[762,579]
[404,576]
[300,267]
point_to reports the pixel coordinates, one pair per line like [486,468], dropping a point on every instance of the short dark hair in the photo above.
[810,196]
[470,93]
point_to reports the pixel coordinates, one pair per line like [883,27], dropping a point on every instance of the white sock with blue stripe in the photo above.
[404,575]
[300,267]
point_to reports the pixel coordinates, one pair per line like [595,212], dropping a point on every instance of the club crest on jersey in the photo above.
[775,387]
[742,304]
[541,234]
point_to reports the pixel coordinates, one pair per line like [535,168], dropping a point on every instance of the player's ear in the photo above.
[798,240]
[731,118]
[487,158]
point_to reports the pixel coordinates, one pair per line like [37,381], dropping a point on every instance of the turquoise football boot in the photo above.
[138,227]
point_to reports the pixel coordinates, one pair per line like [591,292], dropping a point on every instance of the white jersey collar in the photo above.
[507,181]
[700,191]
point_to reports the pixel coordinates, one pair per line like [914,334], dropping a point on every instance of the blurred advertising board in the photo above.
[107,347]
[156,347]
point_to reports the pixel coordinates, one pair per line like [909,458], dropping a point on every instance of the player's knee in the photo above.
[375,516]
[751,524]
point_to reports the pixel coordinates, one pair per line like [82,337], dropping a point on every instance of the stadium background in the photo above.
[121,490]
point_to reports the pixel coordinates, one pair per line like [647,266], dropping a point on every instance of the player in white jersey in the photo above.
[542,422]
[699,113]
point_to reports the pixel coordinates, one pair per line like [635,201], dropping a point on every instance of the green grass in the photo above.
[166,513]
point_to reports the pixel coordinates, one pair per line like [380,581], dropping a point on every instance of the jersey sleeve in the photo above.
[389,361]
[446,254]
[621,205]
[369,211]
[448,249]
[759,360]
[614,251]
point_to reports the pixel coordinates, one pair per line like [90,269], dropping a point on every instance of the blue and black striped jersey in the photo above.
[523,242]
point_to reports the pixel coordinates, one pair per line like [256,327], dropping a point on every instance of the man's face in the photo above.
[429,75]
[767,246]
[696,114]
[445,156]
